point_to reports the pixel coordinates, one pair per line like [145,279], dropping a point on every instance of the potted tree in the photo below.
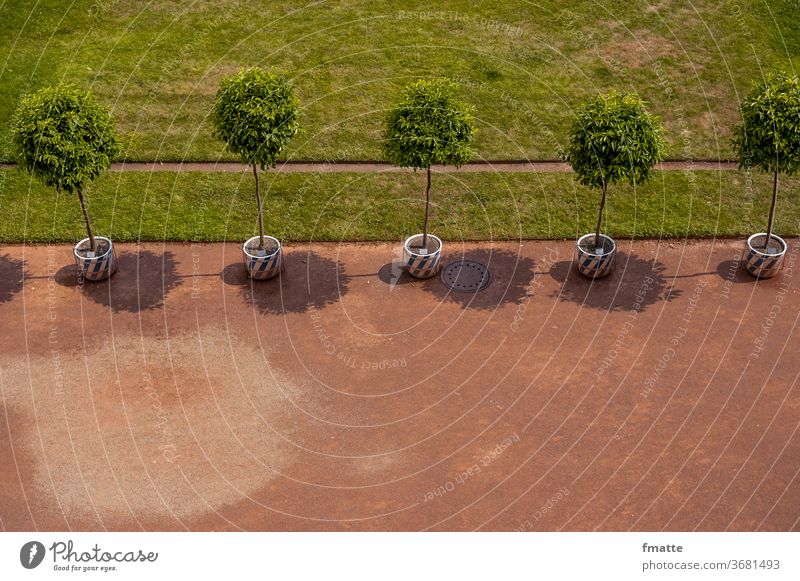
[613,138]
[428,126]
[65,139]
[769,139]
[256,113]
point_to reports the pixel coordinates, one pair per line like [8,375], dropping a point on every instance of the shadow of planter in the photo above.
[308,281]
[10,277]
[734,271]
[395,274]
[142,282]
[634,285]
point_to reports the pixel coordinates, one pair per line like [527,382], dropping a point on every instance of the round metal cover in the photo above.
[466,276]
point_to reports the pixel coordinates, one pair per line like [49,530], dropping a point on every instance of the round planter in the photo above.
[262,264]
[422,263]
[97,265]
[596,262]
[760,262]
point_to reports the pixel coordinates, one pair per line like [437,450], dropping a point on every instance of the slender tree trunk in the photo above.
[600,218]
[92,243]
[427,210]
[260,213]
[772,210]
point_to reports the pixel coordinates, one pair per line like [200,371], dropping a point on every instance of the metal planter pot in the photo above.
[421,264]
[596,262]
[99,265]
[762,263]
[264,264]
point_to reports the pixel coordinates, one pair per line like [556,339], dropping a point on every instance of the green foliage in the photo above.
[614,138]
[256,114]
[63,137]
[429,126]
[769,136]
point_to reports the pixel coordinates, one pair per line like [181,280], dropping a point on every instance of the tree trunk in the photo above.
[772,210]
[260,213]
[600,218]
[427,210]
[92,243]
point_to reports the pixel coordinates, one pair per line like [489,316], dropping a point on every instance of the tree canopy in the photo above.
[614,138]
[769,136]
[256,113]
[63,137]
[429,126]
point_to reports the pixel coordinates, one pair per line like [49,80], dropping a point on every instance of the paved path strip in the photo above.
[341,397]
[515,166]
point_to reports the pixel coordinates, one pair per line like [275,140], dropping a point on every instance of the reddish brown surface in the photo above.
[333,399]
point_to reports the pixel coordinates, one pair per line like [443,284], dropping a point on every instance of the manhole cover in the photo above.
[466,276]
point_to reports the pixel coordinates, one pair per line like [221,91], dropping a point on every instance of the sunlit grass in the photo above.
[524,65]
[332,207]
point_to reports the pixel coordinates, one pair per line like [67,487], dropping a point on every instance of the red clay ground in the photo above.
[179,397]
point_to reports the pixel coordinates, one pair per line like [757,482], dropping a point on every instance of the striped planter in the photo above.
[760,264]
[266,266]
[96,267]
[421,265]
[593,264]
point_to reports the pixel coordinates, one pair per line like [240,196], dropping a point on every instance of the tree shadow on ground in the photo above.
[307,281]
[511,277]
[10,277]
[634,285]
[141,282]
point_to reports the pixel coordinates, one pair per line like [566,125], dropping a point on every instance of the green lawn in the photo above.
[524,65]
[473,206]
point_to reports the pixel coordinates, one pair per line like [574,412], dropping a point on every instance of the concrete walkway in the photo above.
[345,397]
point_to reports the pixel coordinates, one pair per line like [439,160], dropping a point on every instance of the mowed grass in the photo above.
[524,65]
[359,207]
